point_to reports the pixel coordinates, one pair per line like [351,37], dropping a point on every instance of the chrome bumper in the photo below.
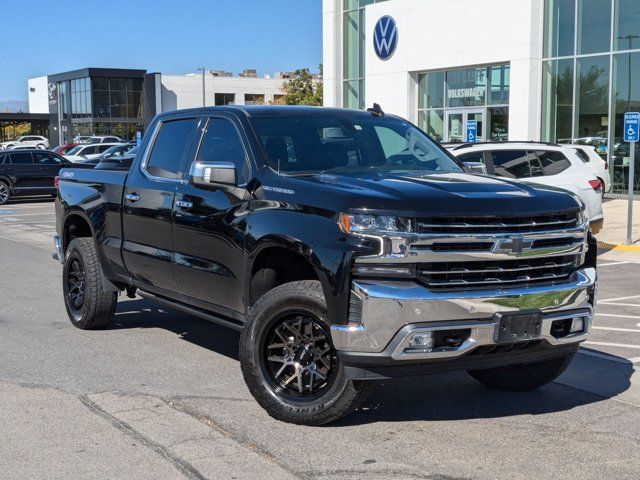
[393,311]
[57,254]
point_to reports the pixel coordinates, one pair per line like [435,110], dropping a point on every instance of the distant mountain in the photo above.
[14,106]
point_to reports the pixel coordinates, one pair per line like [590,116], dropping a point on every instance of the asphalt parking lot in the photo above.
[160,395]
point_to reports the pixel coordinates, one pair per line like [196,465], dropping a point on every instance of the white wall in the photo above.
[39,97]
[182,91]
[441,34]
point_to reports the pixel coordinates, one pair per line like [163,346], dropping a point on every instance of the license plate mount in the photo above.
[518,327]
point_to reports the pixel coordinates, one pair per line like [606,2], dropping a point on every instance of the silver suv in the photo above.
[27,141]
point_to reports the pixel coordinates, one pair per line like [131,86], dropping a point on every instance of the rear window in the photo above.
[21,159]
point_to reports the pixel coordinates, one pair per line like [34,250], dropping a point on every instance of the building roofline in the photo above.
[97,72]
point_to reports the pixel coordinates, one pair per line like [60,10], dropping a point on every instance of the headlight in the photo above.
[367,223]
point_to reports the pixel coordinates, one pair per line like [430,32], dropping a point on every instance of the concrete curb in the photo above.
[619,248]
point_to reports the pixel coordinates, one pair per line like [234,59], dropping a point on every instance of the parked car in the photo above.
[363,252]
[82,138]
[26,141]
[84,152]
[28,172]
[63,149]
[598,165]
[542,163]
[103,139]
[117,157]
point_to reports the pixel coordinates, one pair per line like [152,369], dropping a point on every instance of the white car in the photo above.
[595,163]
[541,163]
[32,141]
[103,139]
[83,152]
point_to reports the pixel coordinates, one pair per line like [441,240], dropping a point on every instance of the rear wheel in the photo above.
[520,378]
[88,305]
[288,360]
[5,193]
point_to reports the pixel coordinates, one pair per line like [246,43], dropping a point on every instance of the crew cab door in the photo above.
[210,222]
[26,174]
[147,209]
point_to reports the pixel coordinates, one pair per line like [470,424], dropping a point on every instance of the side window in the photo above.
[4,159]
[21,159]
[221,143]
[511,163]
[553,162]
[472,157]
[46,159]
[172,142]
[104,148]
[582,155]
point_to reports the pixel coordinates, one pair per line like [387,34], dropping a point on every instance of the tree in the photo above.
[303,89]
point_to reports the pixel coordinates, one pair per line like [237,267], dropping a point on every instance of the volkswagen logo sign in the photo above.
[385,37]
[52,91]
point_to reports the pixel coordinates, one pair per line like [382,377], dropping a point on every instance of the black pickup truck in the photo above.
[346,246]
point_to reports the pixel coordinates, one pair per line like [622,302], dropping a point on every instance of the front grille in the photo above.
[495,273]
[489,224]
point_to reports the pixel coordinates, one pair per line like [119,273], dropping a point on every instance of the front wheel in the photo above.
[88,305]
[520,378]
[288,360]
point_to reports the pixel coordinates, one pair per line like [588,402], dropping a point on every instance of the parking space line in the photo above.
[26,215]
[618,298]
[634,317]
[622,304]
[611,264]
[607,344]
[616,329]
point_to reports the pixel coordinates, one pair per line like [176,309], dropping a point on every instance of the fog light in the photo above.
[420,342]
[577,325]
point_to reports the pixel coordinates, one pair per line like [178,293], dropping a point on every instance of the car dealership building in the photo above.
[550,70]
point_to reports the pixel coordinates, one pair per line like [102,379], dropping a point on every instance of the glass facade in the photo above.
[353,52]
[447,97]
[591,77]
[100,106]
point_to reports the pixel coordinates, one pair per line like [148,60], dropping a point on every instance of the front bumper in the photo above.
[392,311]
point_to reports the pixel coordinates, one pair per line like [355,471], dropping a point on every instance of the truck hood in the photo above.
[421,194]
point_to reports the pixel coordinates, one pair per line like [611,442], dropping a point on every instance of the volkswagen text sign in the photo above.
[385,37]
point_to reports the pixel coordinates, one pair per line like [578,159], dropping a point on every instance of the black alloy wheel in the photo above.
[298,356]
[75,283]
[4,193]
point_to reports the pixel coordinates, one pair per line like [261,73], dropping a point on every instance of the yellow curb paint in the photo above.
[619,248]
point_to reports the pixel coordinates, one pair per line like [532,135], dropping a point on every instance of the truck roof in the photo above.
[269,110]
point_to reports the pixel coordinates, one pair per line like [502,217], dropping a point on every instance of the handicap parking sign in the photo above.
[632,127]
[472,131]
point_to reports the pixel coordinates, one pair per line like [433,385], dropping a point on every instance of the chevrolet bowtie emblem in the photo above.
[513,245]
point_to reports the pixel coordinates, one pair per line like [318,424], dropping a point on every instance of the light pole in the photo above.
[204,101]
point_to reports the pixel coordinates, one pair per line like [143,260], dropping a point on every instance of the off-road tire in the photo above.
[339,399]
[521,378]
[98,306]
[5,195]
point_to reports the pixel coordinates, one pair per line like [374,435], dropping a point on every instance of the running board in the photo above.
[192,311]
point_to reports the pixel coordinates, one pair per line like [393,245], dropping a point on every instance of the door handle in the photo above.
[184,204]
[132,197]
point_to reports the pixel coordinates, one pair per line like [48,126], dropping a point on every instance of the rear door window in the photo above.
[221,143]
[472,157]
[22,158]
[170,146]
[552,162]
[512,163]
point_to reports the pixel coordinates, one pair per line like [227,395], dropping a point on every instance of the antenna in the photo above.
[376,110]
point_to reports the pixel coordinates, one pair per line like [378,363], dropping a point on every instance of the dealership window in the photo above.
[586,90]
[225,98]
[446,99]
[353,52]
[253,99]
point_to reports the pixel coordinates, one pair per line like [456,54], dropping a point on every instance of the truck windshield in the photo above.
[311,144]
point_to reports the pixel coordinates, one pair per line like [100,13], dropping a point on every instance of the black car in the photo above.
[28,172]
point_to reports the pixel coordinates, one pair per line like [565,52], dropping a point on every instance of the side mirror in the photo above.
[477,167]
[212,174]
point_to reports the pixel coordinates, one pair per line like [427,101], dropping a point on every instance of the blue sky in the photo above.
[168,36]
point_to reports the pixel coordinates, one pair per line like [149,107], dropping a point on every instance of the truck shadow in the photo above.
[441,397]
